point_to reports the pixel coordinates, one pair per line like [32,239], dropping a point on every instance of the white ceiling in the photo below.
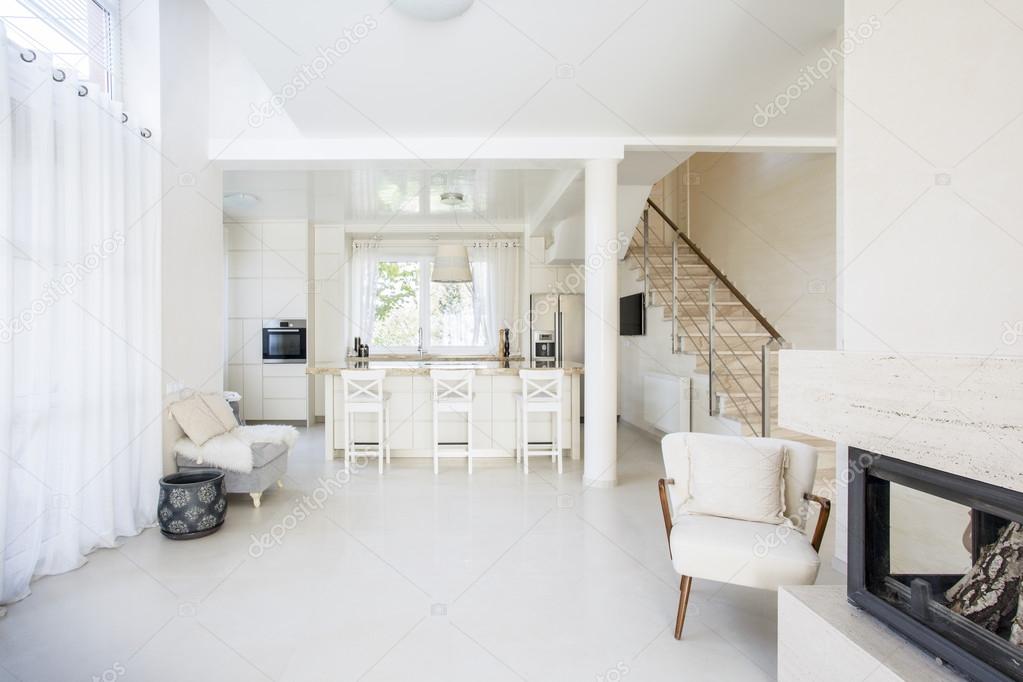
[535,68]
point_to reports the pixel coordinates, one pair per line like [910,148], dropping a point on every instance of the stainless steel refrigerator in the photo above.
[562,314]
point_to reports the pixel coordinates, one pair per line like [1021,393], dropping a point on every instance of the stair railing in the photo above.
[715,354]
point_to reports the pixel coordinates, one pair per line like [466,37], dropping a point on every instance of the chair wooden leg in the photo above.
[683,603]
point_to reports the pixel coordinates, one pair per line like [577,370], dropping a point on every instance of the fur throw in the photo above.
[232,451]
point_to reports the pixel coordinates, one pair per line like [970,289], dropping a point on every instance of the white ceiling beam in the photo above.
[549,211]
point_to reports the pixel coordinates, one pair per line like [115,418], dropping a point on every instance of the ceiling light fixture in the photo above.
[433,10]
[240,200]
[451,264]
[452,198]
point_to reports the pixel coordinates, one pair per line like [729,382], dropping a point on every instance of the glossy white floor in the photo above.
[408,576]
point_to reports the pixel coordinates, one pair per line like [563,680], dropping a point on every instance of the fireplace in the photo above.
[956,593]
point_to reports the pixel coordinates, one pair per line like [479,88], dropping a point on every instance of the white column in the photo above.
[600,432]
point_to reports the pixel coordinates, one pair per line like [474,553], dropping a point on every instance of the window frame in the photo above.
[425,257]
[112,71]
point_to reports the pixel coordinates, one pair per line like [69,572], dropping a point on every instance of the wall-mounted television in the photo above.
[631,315]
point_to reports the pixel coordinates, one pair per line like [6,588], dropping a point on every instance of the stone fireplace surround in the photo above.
[959,415]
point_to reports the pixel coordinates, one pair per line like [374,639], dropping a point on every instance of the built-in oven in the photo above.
[284,341]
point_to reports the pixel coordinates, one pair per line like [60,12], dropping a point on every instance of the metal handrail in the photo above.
[680,287]
[719,274]
[712,352]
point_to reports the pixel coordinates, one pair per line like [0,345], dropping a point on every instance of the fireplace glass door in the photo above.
[940,558]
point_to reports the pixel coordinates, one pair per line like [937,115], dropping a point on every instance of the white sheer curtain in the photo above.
[496,297]
[80,406]
[365,258]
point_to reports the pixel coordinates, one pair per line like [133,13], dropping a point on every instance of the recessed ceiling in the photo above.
[531,68]
[375,197]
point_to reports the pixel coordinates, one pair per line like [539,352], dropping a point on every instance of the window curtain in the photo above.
[496,281]
[365,258]
[80,387]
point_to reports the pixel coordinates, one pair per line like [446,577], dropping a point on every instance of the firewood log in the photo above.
[989,592]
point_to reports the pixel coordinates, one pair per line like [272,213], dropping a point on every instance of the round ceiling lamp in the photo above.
[433,10]
[240,200]
[452,198]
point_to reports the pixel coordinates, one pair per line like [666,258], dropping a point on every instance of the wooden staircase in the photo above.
[734,345]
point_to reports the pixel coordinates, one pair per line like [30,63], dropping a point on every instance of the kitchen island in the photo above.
[410,389]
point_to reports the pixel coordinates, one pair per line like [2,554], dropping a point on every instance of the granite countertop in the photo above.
[422,367]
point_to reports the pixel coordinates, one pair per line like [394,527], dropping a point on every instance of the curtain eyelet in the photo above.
[28,56]
[59,75]
[124,117]
[82,91]
[146,133]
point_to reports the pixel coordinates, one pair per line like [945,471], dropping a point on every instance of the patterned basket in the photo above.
[192,504]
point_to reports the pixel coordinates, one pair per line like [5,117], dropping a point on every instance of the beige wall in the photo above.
[768,221]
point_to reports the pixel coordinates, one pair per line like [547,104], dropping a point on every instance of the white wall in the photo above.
[932,237]
[166,89]
[331,275]
[929,231]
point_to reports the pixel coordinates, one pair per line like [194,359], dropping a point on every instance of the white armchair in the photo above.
[760,555]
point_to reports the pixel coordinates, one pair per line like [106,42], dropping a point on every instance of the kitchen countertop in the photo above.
[423,367]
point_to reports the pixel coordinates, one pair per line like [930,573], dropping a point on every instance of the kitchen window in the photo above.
[407,302]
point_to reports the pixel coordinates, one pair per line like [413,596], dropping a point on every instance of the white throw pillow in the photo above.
[737,479]
[221,409]
[197,419]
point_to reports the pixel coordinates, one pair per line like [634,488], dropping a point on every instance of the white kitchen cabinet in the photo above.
[292,388]
[493,417]
[244,237]
[285,236]
[244,264]
[285,264]
[284,298]
[267,270]
[235,380]
[244,297]
[252,338]
[278,409]
[252,392]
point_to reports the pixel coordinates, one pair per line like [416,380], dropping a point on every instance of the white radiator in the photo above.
[666,402]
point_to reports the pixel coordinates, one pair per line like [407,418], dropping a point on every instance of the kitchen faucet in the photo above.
[421,351]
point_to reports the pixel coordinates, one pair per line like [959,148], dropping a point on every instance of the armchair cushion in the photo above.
[749,553]
[736,478]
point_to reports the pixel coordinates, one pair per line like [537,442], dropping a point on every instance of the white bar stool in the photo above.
[364,394]
[452,392]
[541,392]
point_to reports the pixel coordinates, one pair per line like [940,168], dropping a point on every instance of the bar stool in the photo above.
[452,392]
[541,392]
[364,394]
